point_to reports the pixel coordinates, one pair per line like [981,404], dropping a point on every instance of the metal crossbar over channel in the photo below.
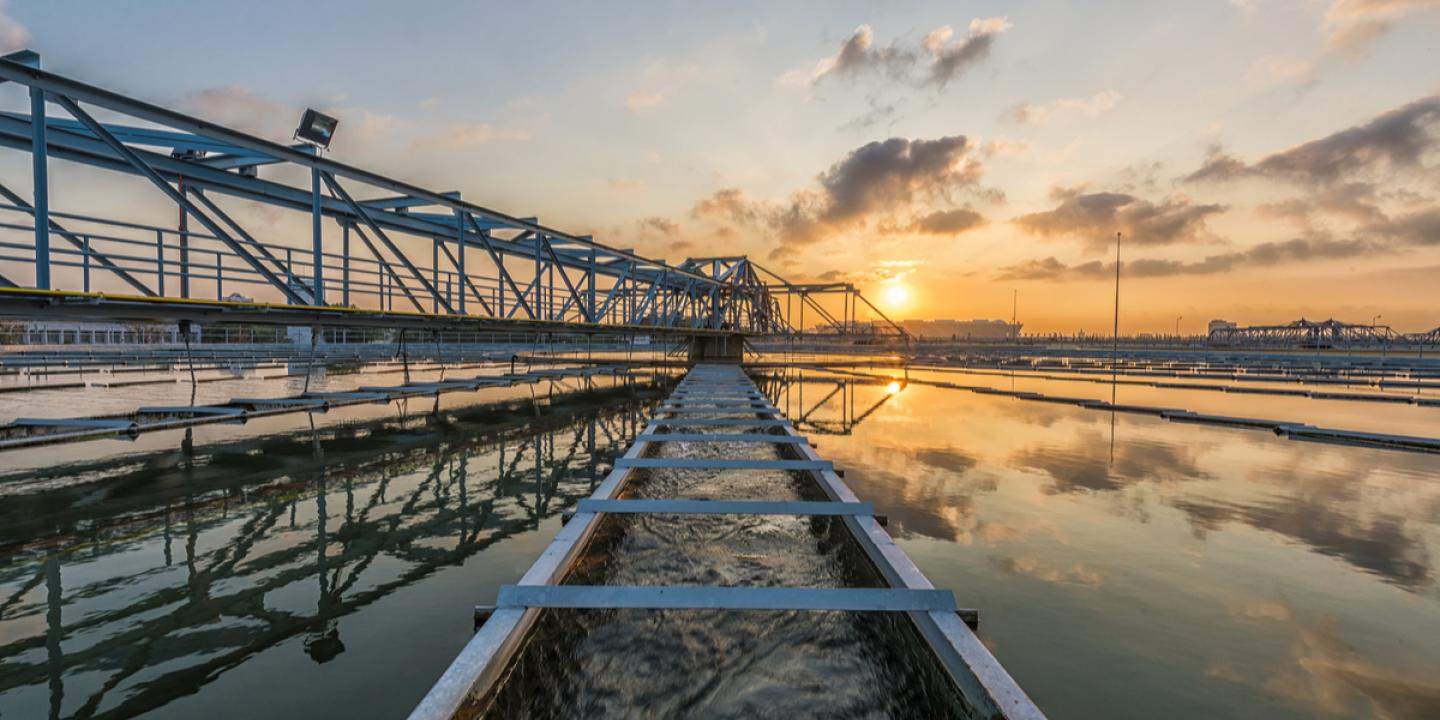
[481,667]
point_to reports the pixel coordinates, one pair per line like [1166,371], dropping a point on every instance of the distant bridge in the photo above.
[1324,334]
[396,255]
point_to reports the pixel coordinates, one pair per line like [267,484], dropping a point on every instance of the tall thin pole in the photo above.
[1115,351]
[1115,331]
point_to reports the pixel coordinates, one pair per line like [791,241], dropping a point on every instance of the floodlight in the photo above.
[316,128]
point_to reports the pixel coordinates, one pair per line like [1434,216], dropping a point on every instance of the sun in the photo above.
[896,295]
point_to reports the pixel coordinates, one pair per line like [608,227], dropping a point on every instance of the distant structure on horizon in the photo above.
[1220,326]
[962,329]
[1304,333]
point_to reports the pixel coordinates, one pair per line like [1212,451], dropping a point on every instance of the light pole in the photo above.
[1115,330]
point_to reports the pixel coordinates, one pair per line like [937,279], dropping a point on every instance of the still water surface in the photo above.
[1124,566]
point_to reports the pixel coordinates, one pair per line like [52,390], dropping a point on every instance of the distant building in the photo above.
[961,329]
[49,332]
[1220,325]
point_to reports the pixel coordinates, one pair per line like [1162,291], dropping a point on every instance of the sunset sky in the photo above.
[1264,159]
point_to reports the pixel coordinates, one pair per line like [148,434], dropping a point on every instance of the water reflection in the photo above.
[159,576]
[1138,568]
[831,408]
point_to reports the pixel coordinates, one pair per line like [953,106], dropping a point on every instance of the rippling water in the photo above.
[716,663]
[296,575]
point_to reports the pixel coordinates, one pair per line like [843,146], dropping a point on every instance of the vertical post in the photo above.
[160,262]
[590,277]
[345,264]
[39,169]
[1115,332]
[435,269]
[460,260]
[219,275]
[539,272]
[184,228]
[317,294]
[500,285]
[85,252]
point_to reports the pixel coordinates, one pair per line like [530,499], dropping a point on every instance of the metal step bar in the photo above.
[725,598]
[726,507]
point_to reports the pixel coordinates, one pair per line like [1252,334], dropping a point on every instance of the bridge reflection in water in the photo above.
[126,594]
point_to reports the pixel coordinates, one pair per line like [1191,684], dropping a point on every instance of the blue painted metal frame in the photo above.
[197,160]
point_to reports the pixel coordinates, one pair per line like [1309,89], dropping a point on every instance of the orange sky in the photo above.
[1265,159]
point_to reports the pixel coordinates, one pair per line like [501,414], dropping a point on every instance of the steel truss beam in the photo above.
[191,160]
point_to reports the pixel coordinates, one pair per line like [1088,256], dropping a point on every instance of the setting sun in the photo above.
[896,296]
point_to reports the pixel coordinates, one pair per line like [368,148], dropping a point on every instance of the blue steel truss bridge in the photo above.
[380,252]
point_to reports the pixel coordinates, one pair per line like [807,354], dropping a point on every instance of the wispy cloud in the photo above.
[1353,26]
[239,108]
[875,183]
[1027,113]
[1094,218]
[949,58]
[462,135]
[939,58]
[1269,254]
[1396,140]
[13,35]
[640,101]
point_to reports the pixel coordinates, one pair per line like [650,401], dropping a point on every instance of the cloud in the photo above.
[236,107]
[858,54]
[659,225]
[938,59]
[1353,26]
[640,101]
[1271,70]
[879,113]
[1349,201]
[876,181]
[1419,229]
[1396,140]
[1096,217]
[363,125]
[730,204]
[949,59]
[481,133]
[1218,166]
[885,174]
[13,35]
[947,222]
[1026,113]
[1268,254]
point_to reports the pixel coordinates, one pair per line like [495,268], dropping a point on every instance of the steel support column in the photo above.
[316,234]
[40,175]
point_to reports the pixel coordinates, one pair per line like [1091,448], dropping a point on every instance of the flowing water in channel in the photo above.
[1123,566]
[716,663]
